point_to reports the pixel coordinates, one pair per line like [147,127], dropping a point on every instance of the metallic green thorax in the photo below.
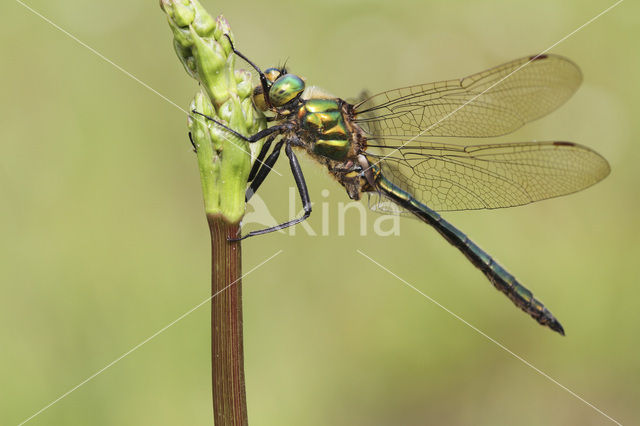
[324,121]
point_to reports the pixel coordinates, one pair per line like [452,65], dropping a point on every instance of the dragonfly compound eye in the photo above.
[285,89]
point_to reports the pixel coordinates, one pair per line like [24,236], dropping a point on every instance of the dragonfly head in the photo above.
[271,74]
[286,89]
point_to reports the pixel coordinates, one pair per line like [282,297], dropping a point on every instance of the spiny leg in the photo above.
[193,144]
[263,79]
[302,190]
[266,167]
[253,138]
[298,176]
[258,163]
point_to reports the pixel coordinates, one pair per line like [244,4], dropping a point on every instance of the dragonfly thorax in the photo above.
[323,123]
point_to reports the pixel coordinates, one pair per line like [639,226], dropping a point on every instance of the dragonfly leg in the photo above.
[302,190]
[259,159]
[253,138]
[264,170]
[263,79]
[193,144]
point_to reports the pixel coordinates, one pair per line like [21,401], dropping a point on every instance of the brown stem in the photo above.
[227,359]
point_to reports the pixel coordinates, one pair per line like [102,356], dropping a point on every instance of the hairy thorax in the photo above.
[326,131]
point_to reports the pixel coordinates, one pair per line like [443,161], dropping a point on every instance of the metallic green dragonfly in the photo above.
[387,145]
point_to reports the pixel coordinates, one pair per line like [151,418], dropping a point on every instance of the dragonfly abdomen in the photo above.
[497,275]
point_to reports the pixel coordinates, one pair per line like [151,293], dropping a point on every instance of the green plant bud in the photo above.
[211,59]
[203,23]
[244,84]
[183,14]
[189,62]
[208,149]
[224,159]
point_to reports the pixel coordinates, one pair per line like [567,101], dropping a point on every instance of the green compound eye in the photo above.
[285,89]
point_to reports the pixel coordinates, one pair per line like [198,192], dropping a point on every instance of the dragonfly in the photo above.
[391,145]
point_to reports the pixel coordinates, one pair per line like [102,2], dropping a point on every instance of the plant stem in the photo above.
[227,357]
[224,160]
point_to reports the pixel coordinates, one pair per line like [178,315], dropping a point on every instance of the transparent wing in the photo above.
[454,177]
[491,103]
[380,203]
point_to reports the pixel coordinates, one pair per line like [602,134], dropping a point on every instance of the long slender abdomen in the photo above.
[499,277]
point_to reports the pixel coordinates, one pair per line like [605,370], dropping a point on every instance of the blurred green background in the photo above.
[104,241]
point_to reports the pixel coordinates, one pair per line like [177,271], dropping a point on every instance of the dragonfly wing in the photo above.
[454,177]
[380,203]
[490,103]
